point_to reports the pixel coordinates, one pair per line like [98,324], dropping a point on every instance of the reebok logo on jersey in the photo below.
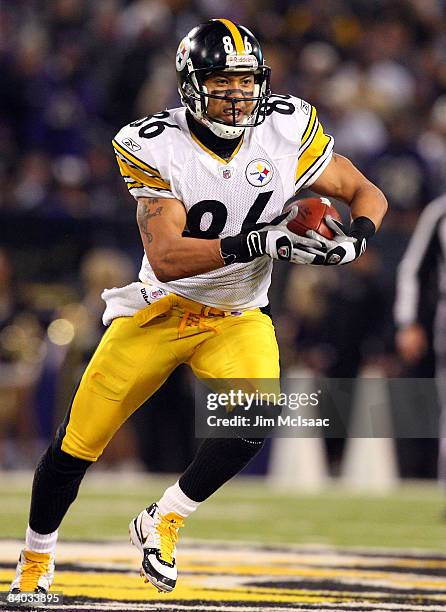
[305,107]
[131,144]
[259,172]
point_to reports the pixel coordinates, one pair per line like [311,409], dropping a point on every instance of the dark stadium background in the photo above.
[73,72]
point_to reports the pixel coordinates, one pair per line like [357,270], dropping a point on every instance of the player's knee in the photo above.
[79,442]
[60,463]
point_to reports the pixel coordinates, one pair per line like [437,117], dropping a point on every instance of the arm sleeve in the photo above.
[416,267]
[143,179]
[315,151]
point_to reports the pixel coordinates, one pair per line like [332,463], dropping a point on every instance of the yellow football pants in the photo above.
[137,354]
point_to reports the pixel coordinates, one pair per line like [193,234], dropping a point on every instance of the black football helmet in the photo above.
[221,46]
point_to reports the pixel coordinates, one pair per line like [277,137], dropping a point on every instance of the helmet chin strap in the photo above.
[220,129]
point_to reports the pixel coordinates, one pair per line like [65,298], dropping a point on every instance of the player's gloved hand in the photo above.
[287,246]
[280,243]
[347,244]
[274,239]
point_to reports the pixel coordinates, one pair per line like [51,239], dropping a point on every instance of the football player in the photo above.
[210,180]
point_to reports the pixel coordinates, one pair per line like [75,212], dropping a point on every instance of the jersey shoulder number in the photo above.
[287,115]
[141,150]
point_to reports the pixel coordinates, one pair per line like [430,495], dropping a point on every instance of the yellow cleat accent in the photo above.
[168,531]
[34,573]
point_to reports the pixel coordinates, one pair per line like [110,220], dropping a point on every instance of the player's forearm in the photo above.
[342,180]
[183,257]
[369,201]
[161,222]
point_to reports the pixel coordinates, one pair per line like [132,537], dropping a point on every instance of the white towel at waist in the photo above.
[125,301]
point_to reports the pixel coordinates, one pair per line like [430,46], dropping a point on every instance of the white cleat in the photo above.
[155,536]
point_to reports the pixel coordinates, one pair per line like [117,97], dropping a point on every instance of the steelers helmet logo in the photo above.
[183,53]
[259,172]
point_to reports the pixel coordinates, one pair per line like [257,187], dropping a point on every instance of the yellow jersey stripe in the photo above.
[135,160]
[309,127]
[312,153]
[134,185]
[313,163]
[236,36]
[131,186]
[141,177]
[214,155]
[318,166]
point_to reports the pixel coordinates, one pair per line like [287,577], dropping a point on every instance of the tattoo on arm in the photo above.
[147,208]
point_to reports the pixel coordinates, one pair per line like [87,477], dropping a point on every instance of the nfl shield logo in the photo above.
[157,293]
[227,173]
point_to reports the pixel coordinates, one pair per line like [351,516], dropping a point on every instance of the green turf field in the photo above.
[411,517]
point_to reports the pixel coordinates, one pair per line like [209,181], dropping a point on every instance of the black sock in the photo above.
[216,461]
[55,486]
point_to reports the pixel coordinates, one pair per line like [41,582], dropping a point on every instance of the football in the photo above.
[311,216]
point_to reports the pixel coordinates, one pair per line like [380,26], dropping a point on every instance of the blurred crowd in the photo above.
[73,72]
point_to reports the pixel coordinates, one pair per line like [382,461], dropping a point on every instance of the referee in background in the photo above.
[422,268]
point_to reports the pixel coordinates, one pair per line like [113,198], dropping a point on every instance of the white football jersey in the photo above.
[158,156]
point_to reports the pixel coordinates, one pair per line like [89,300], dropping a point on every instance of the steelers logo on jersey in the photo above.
[259,172]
